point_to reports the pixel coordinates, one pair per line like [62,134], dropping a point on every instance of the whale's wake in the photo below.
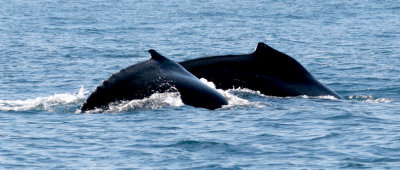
[173,99]
[71,102]
[370,99]
[55,103]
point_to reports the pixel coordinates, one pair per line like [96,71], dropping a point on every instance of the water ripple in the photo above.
[49,49]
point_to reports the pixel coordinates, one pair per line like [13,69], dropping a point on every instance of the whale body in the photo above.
[158,74]
[266,70]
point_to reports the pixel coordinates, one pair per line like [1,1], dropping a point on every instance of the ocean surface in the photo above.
[54,53]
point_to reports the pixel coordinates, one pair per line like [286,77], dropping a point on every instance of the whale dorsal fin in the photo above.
[155,55]
[263,48]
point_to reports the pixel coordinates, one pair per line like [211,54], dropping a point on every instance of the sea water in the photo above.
[54,53]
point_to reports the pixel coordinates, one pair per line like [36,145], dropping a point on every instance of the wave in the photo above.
[49,103]
[194,145]
[173,99]
[237,97]
[327,97]
[71,102]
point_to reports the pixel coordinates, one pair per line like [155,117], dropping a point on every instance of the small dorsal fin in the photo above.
[262,48]
[155,55]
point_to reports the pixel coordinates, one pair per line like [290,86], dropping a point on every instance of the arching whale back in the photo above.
[266,70]
[158,74]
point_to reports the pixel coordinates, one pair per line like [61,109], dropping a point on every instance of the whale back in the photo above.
[158,74]
[274,63]
[266,70]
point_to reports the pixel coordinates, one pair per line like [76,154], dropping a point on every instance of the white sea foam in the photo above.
[370,99]
[173,99]
[234,100]
[155,101]
[42,103]
[258,93]
[328,97]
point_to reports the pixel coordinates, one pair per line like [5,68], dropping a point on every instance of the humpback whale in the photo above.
[158,74]
[266,70]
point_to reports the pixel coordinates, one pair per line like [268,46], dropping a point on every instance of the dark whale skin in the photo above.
[266,70]
[157,74]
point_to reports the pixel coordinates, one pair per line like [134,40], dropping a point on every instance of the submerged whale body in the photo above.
[266,70]
[158,74]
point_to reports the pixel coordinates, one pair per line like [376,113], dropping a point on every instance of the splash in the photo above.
[327,97]
[370,99]
[172,98]
[155,101]
[70,102]
[234,100]
[43,103]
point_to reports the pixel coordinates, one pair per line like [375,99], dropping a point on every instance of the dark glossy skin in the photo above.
[157,74]
[266,70]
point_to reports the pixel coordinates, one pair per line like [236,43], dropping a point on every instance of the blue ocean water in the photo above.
[54,53]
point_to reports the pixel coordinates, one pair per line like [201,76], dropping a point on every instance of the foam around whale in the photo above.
[156,75]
